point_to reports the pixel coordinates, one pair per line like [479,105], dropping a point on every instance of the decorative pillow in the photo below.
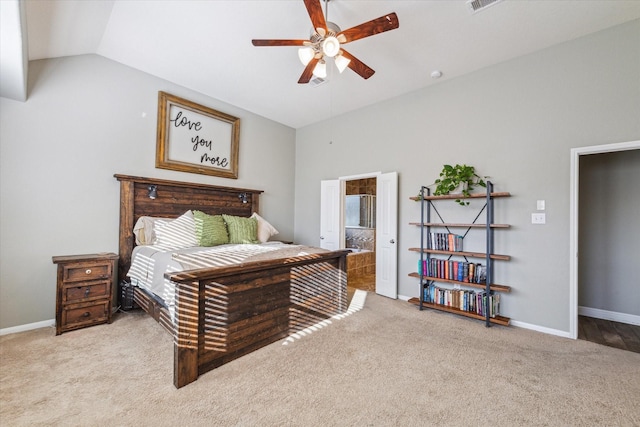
[144,230]
[265,230]
[241,230]
[211,230]
[178,233]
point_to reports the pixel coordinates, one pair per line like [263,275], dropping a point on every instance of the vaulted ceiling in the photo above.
[206,45]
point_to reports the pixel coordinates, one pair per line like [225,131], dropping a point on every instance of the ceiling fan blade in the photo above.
[308,71]
[370,28]
[314,8]
[358,66]
[262,42]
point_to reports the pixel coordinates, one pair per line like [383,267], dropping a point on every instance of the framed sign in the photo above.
[197,139]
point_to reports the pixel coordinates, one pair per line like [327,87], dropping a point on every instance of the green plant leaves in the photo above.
[458,176]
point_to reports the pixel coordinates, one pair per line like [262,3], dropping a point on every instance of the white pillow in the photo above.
[178,233]
[265,230]
[144,230]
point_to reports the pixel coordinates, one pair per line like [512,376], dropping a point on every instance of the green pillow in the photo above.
[241,230]
[211,230]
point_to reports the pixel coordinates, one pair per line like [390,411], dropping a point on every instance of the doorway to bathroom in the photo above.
[360,232]
[372,233]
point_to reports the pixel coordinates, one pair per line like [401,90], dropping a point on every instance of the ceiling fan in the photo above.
[327,39]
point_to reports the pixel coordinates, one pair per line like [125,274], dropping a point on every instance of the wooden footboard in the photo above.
[224,313]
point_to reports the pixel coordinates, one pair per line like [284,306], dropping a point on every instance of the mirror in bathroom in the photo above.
[360,211]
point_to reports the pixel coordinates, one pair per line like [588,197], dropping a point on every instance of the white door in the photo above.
[387,235]
[330,214]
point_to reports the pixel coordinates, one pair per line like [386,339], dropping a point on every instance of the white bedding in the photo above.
[150,263]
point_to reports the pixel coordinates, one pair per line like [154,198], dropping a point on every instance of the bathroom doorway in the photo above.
[360,232]
[384,251]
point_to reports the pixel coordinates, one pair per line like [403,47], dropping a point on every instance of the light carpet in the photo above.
[387,364]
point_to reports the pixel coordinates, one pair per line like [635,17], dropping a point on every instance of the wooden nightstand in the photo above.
[85,290]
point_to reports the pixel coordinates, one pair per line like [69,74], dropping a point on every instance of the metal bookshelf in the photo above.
[426,225]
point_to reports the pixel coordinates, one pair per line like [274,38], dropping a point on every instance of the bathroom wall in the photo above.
[361,186]
[360,265]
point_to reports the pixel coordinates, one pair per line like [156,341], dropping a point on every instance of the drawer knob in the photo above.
[87,291]
[88,271]
[86,314]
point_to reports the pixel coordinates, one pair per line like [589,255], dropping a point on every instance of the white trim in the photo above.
[631,319]
[573,243]
[544,330]
[27,327]
[573,221]
[404,297]
[360,176]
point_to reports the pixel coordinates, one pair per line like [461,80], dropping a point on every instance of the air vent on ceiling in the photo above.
[476,6]
[317,81]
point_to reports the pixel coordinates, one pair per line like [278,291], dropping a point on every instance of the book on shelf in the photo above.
[464,300]
[461,271]
[445,242]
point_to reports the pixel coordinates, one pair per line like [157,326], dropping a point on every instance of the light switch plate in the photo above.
[540,205]
[538,218]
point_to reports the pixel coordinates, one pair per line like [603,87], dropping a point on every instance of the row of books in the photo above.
[465,300]
[461,271]
[445,242]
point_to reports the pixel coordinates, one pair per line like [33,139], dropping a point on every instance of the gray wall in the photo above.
[609,233]
[86,119]
[515,122]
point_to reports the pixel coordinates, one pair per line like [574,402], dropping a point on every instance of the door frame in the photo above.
[343,190]
[574,223]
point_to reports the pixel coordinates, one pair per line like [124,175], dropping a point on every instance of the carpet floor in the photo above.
[384,364]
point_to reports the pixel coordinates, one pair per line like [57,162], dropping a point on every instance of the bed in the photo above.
[223,312]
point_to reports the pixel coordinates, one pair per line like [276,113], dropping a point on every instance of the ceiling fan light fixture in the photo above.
[341,62]
[305,54]
[320,69]
[331,46]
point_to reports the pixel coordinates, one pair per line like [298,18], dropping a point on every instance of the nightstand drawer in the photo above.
[86,271]
[84,314]
[86,291]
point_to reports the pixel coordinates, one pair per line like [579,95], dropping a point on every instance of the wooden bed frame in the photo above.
[223,313]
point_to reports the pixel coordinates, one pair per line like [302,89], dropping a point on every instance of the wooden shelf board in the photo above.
[442,224]
[499,320]
[469,254]
[493,286]
[461,196]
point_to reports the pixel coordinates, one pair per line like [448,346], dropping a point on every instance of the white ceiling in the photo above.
[206,45]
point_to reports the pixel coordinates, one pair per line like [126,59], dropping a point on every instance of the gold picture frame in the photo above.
[196,139]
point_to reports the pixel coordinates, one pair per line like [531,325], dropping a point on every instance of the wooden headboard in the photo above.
[172,200]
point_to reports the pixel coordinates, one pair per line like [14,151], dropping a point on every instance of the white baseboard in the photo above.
[631,319]
[27,327]
[543,329]
[404,298]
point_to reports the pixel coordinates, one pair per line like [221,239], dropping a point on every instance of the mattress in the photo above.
[150,263]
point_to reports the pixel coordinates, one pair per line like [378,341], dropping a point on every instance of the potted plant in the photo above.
[458,177]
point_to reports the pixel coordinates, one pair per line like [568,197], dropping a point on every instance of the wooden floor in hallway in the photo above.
[606,332]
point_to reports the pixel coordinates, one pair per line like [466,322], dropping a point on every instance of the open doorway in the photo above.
[360,232]
[577,262]
[383,243]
